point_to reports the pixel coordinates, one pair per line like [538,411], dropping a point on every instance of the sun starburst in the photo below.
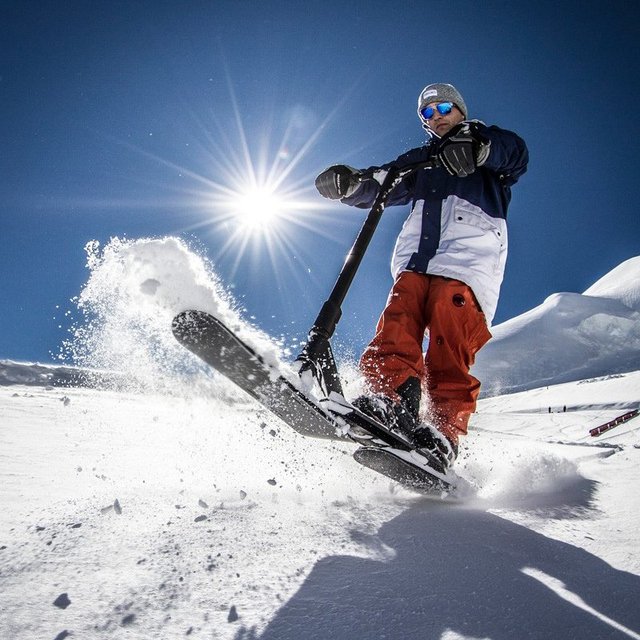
[248,192]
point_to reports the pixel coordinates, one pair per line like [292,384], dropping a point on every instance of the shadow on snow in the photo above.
[466,572]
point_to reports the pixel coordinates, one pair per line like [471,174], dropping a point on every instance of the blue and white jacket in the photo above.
[457,226]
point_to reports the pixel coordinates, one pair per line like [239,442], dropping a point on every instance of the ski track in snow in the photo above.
[167,504]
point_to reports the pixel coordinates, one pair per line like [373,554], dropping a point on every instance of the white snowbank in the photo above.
[621,283]
[570,336]
[166,517]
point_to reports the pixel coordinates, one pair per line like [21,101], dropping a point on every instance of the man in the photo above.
[448,265]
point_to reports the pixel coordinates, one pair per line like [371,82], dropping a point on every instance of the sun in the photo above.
[258,209]
[254,199]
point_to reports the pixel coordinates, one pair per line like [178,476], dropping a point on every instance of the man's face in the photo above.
[442,124]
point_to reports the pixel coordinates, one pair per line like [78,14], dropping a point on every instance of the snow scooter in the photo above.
[386,451]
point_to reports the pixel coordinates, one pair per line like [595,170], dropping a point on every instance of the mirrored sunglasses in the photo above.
[443,109]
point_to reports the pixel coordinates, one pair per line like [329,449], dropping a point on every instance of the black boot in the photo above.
[397,416]
[436,445]
[425,436]
[378,407]
[408,409]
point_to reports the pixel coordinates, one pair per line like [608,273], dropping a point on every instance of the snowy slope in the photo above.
[569,337]
[167,504]
[203,516]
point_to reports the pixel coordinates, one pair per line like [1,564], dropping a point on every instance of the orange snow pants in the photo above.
[448,311]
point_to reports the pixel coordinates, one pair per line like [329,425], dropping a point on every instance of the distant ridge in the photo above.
[570,336]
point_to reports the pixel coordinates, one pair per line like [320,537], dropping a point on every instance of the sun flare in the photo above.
[258,208]
[253,197]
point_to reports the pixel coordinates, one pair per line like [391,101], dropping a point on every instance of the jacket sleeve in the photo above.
[508,156]
[365,195]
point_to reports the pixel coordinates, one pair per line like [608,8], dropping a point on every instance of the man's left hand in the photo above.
[463,149]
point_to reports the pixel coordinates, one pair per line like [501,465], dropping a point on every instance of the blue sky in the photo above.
[134,119]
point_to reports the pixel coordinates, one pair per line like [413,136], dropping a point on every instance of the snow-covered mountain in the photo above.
[570,336]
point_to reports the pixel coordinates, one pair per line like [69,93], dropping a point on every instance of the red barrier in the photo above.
[596,431]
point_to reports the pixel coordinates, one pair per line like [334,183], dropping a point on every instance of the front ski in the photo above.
[407,468]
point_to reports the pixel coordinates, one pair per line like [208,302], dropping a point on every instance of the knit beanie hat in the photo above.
[441,92]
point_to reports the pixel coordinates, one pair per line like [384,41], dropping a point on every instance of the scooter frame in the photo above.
[317,354]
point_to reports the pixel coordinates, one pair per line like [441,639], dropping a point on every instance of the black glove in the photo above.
[338,181]
[463,149]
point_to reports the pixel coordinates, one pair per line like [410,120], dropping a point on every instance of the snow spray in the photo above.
[134,289]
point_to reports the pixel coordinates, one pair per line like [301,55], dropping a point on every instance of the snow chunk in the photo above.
[62,601]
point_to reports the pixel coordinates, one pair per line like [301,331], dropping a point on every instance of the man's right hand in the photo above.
[338,181]
[463,149]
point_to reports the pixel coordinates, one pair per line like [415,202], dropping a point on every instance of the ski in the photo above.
[407,468]
[333,418]
[210,340]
